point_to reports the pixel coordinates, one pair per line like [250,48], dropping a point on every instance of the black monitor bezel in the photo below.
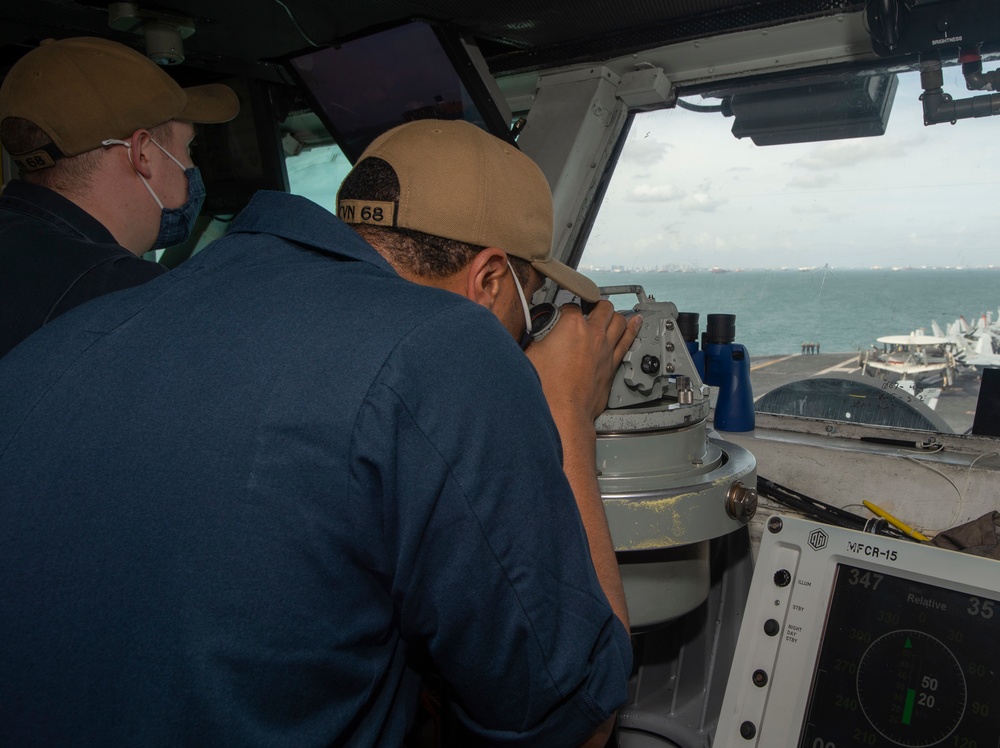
[453,46]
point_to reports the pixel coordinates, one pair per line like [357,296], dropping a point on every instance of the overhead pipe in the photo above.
[940,107]
[972,69]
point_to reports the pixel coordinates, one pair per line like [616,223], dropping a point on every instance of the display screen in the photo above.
[904,663]
[364,87]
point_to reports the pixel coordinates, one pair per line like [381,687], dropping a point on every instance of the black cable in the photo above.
[810,506]
[885,13]
[699,107]
[821,512]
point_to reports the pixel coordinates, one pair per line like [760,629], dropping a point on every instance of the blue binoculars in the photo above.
[722,364]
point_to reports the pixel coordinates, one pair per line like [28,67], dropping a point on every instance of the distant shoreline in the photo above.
[841,310]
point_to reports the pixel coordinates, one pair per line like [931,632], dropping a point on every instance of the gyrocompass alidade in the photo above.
[669,484]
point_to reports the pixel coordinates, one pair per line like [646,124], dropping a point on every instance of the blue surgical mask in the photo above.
[175,223]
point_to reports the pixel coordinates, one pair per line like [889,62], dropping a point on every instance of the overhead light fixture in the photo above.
[164,43]
[164,33]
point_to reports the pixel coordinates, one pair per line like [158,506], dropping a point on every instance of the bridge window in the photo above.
[820,248]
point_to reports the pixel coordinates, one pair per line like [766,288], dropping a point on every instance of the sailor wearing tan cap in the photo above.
[100,134]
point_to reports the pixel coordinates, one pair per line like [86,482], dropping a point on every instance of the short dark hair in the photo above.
[70,174]
[424,255]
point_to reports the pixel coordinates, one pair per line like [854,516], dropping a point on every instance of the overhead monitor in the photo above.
[851,639]
[364,87]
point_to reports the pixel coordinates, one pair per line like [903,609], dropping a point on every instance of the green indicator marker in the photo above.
[909,644]
[911,696]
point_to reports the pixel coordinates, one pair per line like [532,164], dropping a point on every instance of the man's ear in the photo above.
[142,143]
[483,281]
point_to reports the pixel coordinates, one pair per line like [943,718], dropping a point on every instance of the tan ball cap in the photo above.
[84,90]
[459,182]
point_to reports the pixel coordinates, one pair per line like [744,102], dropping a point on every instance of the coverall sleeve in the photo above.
[491,572]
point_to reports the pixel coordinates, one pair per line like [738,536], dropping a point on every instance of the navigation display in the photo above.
[853,640]
[904,663]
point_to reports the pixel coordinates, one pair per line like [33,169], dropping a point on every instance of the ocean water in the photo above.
[842,310]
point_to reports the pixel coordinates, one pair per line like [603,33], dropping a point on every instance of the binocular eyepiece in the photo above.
[543,318]
[721,329]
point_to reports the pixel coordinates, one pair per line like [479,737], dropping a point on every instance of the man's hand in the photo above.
[578,359]
[576,362]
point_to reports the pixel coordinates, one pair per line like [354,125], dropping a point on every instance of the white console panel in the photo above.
[852,639]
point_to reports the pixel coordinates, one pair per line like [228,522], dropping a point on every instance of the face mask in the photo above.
[526,338]
[175,223]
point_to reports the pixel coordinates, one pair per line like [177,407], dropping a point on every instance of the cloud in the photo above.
[813,181]
[702,201]
[737,173]
[810,209]
[645,150]
[704,240]
[659,193]
[654,240]
[839,154]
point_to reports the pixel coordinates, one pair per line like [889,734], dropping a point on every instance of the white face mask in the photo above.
[128,147]
[526,338]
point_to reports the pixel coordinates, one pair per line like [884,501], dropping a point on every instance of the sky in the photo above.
[687,193]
